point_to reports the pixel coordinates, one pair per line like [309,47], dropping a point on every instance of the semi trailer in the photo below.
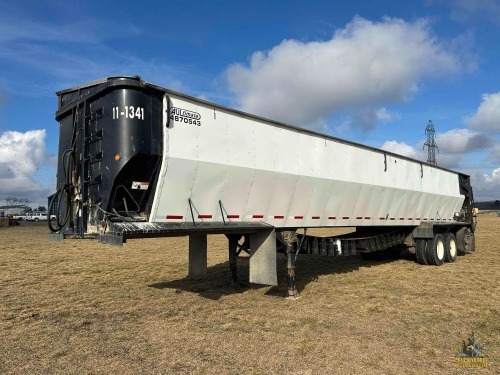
[137,160]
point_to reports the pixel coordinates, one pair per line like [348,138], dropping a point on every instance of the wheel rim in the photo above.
[453,249]
[440,249]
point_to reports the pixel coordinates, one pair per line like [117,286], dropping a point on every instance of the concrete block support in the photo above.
[197,255]
[263,258]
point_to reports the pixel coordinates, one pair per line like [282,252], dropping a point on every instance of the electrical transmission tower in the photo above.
[431,143]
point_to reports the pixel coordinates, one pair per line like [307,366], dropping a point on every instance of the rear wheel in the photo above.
[450,248]
[36,219]
[421,251]
[466,241]
[435,250]
[470,242]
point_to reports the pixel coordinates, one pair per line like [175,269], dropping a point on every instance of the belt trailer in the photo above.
[137,160]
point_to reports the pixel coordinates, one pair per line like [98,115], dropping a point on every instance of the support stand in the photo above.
[197,255]
[261,246]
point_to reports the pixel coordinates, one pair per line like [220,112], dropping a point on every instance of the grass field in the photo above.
[80,307]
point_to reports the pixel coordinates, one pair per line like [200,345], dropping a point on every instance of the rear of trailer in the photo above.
[137,160]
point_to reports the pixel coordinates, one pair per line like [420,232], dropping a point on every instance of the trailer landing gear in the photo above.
[293,293]
[290,238]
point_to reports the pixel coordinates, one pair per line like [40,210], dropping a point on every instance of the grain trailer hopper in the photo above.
[137,160]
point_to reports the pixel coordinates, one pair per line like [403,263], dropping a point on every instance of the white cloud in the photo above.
[361,66]
[368,117]
[494,155]
[486,186]
[463,140]
[487,115]
[470,10]
[383,114]
[21,154]
[454,145]
[402,148]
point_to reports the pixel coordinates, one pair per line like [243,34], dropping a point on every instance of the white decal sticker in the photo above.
[185,116]
[137,185]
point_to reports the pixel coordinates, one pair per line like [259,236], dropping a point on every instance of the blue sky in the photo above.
[374,72]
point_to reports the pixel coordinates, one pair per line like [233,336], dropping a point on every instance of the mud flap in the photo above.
[263,258]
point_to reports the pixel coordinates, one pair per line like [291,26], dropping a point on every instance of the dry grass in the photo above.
[81,307]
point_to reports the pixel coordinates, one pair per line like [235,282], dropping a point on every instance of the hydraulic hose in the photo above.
[63,195]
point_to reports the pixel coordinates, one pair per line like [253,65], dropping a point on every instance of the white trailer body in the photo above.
[137,160]
[287,177]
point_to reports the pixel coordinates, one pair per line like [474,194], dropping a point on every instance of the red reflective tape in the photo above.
[432,219]
[345,217]
[392,218]
[298,217]
[417,218]
[401,218]
[204,216]
[315,217]
[173,217]
[233,216]
[367,218]
[424,218]
[381,218]
[279,217]
[359,217]
[332,217]
[409,218]
[257,216]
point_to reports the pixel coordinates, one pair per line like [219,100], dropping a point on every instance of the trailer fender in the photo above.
[263,257]
[424,230]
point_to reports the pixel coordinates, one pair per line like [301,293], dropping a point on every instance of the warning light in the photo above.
[117,157]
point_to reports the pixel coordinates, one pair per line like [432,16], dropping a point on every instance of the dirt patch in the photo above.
[82,307]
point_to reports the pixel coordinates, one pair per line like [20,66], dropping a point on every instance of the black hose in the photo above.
[63,194]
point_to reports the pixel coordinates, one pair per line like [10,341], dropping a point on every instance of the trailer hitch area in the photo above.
[290,239]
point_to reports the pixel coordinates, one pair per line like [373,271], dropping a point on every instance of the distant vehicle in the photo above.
[39,216]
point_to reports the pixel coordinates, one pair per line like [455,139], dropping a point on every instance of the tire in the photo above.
[470,242]
[450,248]
[421,251]
[435,250]
[36,219]
[466,241]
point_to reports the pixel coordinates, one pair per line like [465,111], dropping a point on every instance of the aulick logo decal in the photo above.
[183,115]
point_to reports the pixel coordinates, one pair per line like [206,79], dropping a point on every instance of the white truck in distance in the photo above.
[38,216]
